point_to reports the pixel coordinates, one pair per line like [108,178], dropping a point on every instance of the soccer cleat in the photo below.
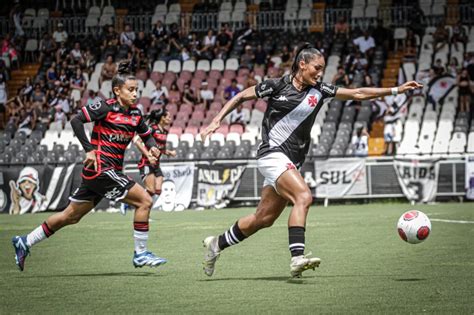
[301,263]
[147,259]
[21,251]
[211,254]
[124,207]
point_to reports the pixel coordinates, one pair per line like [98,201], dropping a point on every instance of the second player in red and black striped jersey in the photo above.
[160,135]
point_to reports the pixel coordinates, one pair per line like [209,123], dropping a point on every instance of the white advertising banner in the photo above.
[336,178]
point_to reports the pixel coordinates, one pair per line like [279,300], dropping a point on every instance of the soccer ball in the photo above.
[414,227]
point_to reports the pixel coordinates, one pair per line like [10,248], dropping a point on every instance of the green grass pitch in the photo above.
[366,267]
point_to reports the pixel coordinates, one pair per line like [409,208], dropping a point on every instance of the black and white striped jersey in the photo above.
[289,117]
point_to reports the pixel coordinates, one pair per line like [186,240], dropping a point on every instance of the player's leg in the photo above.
[270,207]
[71,215]
[138,197]
[292,187]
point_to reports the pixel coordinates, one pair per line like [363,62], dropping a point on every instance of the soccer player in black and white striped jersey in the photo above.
[293,102]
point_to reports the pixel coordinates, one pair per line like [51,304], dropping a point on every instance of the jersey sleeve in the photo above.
[266,88]
[96,111]
[327,90]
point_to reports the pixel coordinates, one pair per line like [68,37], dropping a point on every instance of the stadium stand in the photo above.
[176,52]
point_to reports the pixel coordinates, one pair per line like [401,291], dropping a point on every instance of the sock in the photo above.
[296,240]
[42,232]
[140,236]
[231,237]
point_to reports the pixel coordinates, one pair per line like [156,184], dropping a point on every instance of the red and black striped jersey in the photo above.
[114,128]
[160,138]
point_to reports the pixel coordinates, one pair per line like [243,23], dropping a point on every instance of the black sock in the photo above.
[296,240]
[231,237]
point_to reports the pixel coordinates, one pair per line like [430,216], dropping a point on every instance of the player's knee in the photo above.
[267,222]
[304,199]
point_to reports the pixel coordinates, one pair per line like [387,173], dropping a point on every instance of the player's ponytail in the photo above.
[305,52]
[155,115]
[124,72]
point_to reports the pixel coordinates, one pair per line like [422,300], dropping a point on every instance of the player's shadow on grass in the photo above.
[104,274]
[410,279]
[279,279]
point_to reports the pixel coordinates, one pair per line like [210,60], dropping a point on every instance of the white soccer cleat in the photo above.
[301,263]
[211,254]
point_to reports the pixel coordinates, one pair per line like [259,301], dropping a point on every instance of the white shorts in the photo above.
[272,165]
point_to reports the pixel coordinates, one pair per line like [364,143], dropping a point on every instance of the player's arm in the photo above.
[144,150]
[368,93]
[144,132]
[94,112]
[243,96]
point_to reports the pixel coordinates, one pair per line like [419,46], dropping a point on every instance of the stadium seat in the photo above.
[174,66]
[217,64]
[232,64]
[189,65]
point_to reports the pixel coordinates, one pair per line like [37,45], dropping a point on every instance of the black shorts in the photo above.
[110,184]
[150,169]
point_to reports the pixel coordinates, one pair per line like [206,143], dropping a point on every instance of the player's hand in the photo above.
[171,153]
[14,192]
[409,86]
[213,126]
[91,160]
[153,155]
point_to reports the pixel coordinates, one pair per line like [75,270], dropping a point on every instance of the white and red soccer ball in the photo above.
[414,227]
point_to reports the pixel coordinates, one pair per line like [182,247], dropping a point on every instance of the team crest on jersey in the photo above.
[96,105]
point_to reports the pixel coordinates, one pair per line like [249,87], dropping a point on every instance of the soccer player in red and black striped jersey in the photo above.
[116,121]
[149,166]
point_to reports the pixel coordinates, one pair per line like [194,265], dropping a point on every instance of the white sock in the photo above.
[35,236]
[141,239]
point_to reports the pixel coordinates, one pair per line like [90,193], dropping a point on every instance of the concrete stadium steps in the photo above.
[19,76]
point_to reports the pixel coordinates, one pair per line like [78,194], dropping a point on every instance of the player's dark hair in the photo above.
[124,73]
[155,115]
[305,52]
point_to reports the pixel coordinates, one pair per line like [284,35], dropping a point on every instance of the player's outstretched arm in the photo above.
[143,149]
[246,95]
[369,93]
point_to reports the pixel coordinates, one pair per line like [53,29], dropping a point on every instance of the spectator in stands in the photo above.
[13,110]
[51,75]
[286,57]
[108,69]
[260,57]
[9,51]
[110,38]
[453,68]
[247,59]
[417,18]
[128,36]
[47,47]
[194,46]
[341,28]
[26,89]
[230,91]
[141,43]
[89,60]
[410,52]
[15,15]
[77,86]
[469,64]
[63,80]
[174,94]
[207,95]
[227,30]
[341,78]
[38,97]
[59,115]
[465,90]
[237,116]
[359,64]
[245,34]
[439,67]
[143,63]
[45,115]
[365,43]
[64,102]
[208,44]
[159,32]
[189,97]
[459,37]
[185,54]
[52,98]
[390,120]
[360,141]
[3,101]
[440,37]
[159,95]
[382,35]
[60,35]
[27,118]
[77,55]
[61,53]
[223,43]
